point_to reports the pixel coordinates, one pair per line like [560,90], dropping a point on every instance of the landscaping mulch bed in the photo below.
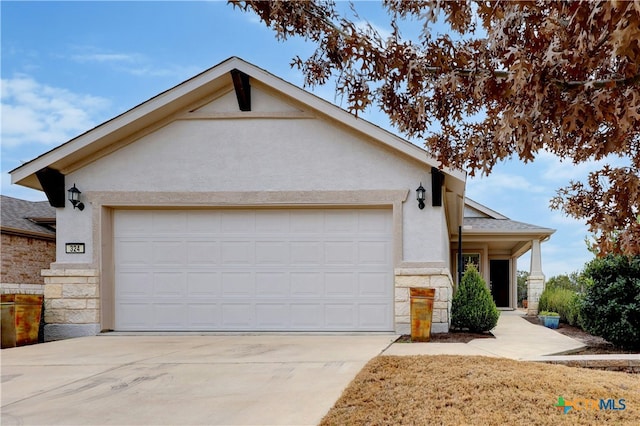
[594,345]
[451,337]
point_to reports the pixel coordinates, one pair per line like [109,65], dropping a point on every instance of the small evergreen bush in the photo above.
[611,305]
[472,306]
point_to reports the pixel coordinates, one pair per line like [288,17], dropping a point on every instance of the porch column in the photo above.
[535,282]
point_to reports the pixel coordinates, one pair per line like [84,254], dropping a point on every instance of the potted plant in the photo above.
[549,319]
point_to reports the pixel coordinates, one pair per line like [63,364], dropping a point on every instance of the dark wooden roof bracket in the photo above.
[242,88]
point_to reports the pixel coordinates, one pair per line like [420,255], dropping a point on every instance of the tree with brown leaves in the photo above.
[511,78]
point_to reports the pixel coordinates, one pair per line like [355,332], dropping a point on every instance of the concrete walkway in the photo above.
[515,338]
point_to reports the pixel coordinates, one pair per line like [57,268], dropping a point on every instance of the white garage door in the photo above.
[303,269]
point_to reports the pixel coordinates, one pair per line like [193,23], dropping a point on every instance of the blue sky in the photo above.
[68,66]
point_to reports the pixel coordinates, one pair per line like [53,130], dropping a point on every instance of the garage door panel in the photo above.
[203,222]
[169,316]
[203,253]
[372,315]
[310,222]
[340,221]
[272,222]
[306,284]
[203,284]
[370,222]
[237,284]
[340,316]
[307,316]
[134,222]
[339,253]
[340,284]
[168,253]
[307,253]
[374,284]
[272,284]
[135,316]
[237,222]
[169,222]
[203,316]
[132,252]
[169,285]
[272,253]
[373,252]
[237,252]
[306,270]
[272,316]
[133,285]
[237,315]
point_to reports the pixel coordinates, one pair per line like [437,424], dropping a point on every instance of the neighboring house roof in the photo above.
[27,218]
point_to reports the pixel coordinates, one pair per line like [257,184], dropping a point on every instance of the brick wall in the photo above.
[23,259]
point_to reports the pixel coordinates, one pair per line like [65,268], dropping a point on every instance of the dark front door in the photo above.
[499,276]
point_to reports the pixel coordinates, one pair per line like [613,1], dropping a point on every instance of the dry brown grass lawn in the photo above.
[459,390]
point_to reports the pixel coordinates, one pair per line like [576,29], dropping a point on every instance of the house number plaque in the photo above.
[74,248]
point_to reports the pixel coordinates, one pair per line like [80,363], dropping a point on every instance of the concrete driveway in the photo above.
[182,379]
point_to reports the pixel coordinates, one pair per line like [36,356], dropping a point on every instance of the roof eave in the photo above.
[145,114]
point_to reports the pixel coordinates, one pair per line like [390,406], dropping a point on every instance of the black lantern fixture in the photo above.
[420,196]
[74,197]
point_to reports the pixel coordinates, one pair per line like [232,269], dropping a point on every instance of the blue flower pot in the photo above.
[551,322]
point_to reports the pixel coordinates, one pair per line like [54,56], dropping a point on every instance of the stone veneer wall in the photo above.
[22,260]
[438,278]
[72,303]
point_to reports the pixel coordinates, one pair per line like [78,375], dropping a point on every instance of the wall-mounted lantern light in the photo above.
[74,197]
[420,196]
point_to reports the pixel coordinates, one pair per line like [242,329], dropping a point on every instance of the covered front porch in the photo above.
[493,243]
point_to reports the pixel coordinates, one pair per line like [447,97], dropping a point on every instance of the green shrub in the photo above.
[574,313]
[558,299]
[611,305]
[549,314]
[472,306]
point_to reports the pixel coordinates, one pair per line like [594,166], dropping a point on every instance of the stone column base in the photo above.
[535,287]
[71,302]
[437,278]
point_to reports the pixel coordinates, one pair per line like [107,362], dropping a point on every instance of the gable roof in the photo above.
[27,218]
[132,124]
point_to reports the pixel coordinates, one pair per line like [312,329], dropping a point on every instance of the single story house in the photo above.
[27,229]
[237,201]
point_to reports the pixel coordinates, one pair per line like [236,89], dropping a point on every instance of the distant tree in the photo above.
[560,281]
[522,277]
[508,79]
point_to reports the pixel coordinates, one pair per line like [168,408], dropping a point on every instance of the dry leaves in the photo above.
[563,77]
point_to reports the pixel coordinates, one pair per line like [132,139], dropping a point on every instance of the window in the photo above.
[471,259]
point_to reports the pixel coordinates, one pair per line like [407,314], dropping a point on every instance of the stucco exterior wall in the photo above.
[22,260]
[258,155]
